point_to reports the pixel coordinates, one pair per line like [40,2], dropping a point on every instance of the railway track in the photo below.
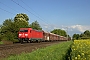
[5,47]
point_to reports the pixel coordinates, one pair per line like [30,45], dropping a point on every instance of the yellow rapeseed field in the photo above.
[80,50]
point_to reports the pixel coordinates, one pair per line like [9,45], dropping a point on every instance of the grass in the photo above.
[1,42]
[54,52]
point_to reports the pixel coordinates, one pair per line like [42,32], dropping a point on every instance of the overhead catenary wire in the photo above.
[29,7]
[8,6]
[7,11]
[28,10]
[24,8]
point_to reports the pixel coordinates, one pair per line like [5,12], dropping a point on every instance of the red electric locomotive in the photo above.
[29,34]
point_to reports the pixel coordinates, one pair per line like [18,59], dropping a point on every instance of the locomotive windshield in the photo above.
[23,30]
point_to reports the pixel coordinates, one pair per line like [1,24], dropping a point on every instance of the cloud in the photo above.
[63,28]
[80,28]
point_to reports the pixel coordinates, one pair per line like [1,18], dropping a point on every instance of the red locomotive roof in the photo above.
[25,28]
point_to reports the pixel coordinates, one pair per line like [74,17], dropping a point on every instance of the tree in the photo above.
[84,35]
[59,32]
[8,30]
[35,25]
[76,36]
[87,33]
[7,25]
[22,17]
[21,24]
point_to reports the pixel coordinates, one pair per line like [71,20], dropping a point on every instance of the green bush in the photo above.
[9,36]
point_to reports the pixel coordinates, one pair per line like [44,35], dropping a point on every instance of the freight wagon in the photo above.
[46,36]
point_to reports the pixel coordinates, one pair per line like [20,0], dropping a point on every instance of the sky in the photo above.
[73,16]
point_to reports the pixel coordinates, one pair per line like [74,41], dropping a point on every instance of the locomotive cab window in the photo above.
[23,30]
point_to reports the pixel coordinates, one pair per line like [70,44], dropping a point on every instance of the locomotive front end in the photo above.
[23,35]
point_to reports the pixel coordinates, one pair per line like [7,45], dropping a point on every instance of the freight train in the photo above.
[31,35]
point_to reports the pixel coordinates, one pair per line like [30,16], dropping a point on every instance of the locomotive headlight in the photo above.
[26,34]
[20,34]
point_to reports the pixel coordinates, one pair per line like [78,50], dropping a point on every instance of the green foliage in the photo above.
[8,30]
[54,52]
[59,32]
[76,36]
[21,24]
[87,33]
[22,17]
[84,35]
[35,25]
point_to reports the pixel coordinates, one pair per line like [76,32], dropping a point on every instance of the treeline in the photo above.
[10,27]
[84,35]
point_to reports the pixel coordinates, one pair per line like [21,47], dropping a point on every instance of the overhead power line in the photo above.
[7,11]
[8,7]
[29,7]
[28,10]
[24,8]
